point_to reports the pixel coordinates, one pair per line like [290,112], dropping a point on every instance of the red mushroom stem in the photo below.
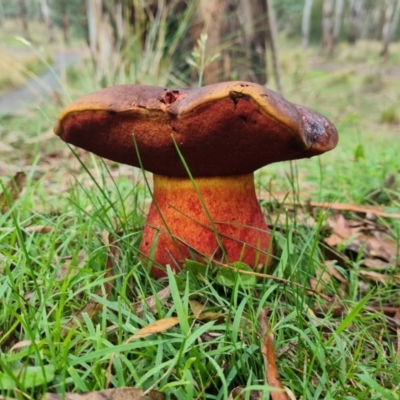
[185,224]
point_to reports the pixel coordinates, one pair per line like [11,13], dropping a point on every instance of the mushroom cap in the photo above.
[229,128]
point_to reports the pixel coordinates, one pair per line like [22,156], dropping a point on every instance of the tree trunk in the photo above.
[119,21]
[356,7]
[274,45]
[327,26]
[47,20]
[101,41]
[338,20]
[24,19]
[2,15]
[305,27]
[388,15]
[395,22]
[252,20]
[210,20]
[65,21]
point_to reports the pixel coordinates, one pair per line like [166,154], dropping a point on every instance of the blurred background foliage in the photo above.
[148,41]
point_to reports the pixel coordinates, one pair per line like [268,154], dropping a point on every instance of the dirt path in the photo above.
[37,90]
[389,70]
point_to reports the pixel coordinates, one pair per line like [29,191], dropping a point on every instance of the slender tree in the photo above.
[395,22]
[24,19]
[305,26]
[209,20]
[65,21]
[388,17]
[46,13]
[337,20]
[2,15]
[274,45]
[119,20]
[328,25]
[356,7]
[101,41]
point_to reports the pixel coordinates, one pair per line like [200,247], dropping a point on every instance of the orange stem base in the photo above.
[223,223]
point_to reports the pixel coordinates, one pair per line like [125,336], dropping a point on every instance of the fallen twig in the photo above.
[331,206]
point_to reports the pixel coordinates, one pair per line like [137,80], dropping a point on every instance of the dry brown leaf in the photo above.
[155,327]
[331,269]
[151,301]
[197,310]
[333,240]
[321,280]
[69,268]
[341,227]
[13,188]
[361,236]
[375,263]
[5,148]
[22,343]
[268,352]
[109,394]
[375,276]
[379,246]
[91,308]
[238,394]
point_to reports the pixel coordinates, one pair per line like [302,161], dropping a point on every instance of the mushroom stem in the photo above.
[224,222]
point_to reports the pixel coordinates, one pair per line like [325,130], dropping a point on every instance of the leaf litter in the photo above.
[12,190]
[110,394]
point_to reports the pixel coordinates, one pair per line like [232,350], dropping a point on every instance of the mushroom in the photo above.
[203,146]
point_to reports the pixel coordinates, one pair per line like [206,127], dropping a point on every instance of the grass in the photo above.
[90,207]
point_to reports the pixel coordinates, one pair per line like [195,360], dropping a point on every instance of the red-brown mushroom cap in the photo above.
[229,128]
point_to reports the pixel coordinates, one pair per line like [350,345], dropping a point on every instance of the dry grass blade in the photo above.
[267,349]
[379,278]
[23,343]
[155,327]
[92,308]
[32,229]
[198,308]
[397,319]
[238,394]
[109,394]
[12,190]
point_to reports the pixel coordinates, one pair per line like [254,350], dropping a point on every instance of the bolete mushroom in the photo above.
[202,145]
